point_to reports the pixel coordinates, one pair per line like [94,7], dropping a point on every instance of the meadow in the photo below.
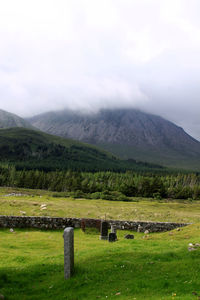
[156,266]
[153,267]
[14,201]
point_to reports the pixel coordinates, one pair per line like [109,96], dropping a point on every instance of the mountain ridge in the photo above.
[8,120]
[128,133]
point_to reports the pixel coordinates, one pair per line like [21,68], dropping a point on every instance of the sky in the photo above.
[93,54]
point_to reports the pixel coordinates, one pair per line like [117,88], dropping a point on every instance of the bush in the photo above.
[78,194]
[60,195]
[97,195]
[157,196]
[114,196]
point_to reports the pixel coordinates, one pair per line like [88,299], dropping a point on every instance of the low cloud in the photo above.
[102,54]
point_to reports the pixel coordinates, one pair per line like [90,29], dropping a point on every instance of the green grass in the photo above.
[141,209]
[154,268]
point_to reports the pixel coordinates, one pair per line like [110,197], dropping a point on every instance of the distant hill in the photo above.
[32,149]
[128,133]
[8,120]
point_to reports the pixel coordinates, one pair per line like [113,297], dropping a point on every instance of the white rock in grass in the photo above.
[192,247]
[43,205]
[11,230]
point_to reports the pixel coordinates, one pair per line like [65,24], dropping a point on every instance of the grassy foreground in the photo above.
[28,202]
[156,267]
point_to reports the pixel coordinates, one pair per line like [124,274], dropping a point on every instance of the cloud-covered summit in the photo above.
[95,54]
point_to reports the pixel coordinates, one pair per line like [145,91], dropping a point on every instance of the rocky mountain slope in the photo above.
[8,119]
[127,133]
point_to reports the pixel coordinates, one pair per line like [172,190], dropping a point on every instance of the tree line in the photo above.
[105,185]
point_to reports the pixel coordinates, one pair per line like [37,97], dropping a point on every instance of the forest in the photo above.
[105,185]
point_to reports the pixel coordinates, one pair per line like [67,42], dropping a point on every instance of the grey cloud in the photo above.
[109,53]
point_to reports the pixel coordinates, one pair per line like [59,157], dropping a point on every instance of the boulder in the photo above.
[129,236]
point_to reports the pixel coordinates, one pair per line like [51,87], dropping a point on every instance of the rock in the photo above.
[11,230]
[129,236]
[194,293]
[178,229]
[43,205]
[112,237]
[146,232]
[146,236]
[191,249]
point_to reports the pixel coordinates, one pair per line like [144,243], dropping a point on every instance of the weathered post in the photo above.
[104,230]
[68,251]
[83,224]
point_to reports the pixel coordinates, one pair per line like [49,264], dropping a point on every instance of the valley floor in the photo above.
[28,202]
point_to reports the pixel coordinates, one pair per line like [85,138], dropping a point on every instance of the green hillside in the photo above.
[32,149]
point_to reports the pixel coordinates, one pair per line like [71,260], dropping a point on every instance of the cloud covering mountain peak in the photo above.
[93,54]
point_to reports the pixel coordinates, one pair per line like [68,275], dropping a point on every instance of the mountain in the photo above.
[127,133]
[11,120]
[31,149]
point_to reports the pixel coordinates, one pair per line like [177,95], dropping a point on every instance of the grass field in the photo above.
[30,201]
[154,268]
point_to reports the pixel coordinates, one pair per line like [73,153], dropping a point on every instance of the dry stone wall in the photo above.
[60,223]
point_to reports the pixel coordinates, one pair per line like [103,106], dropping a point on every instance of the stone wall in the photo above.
[60,223]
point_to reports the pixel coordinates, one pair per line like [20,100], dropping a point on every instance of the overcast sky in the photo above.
[91,54]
